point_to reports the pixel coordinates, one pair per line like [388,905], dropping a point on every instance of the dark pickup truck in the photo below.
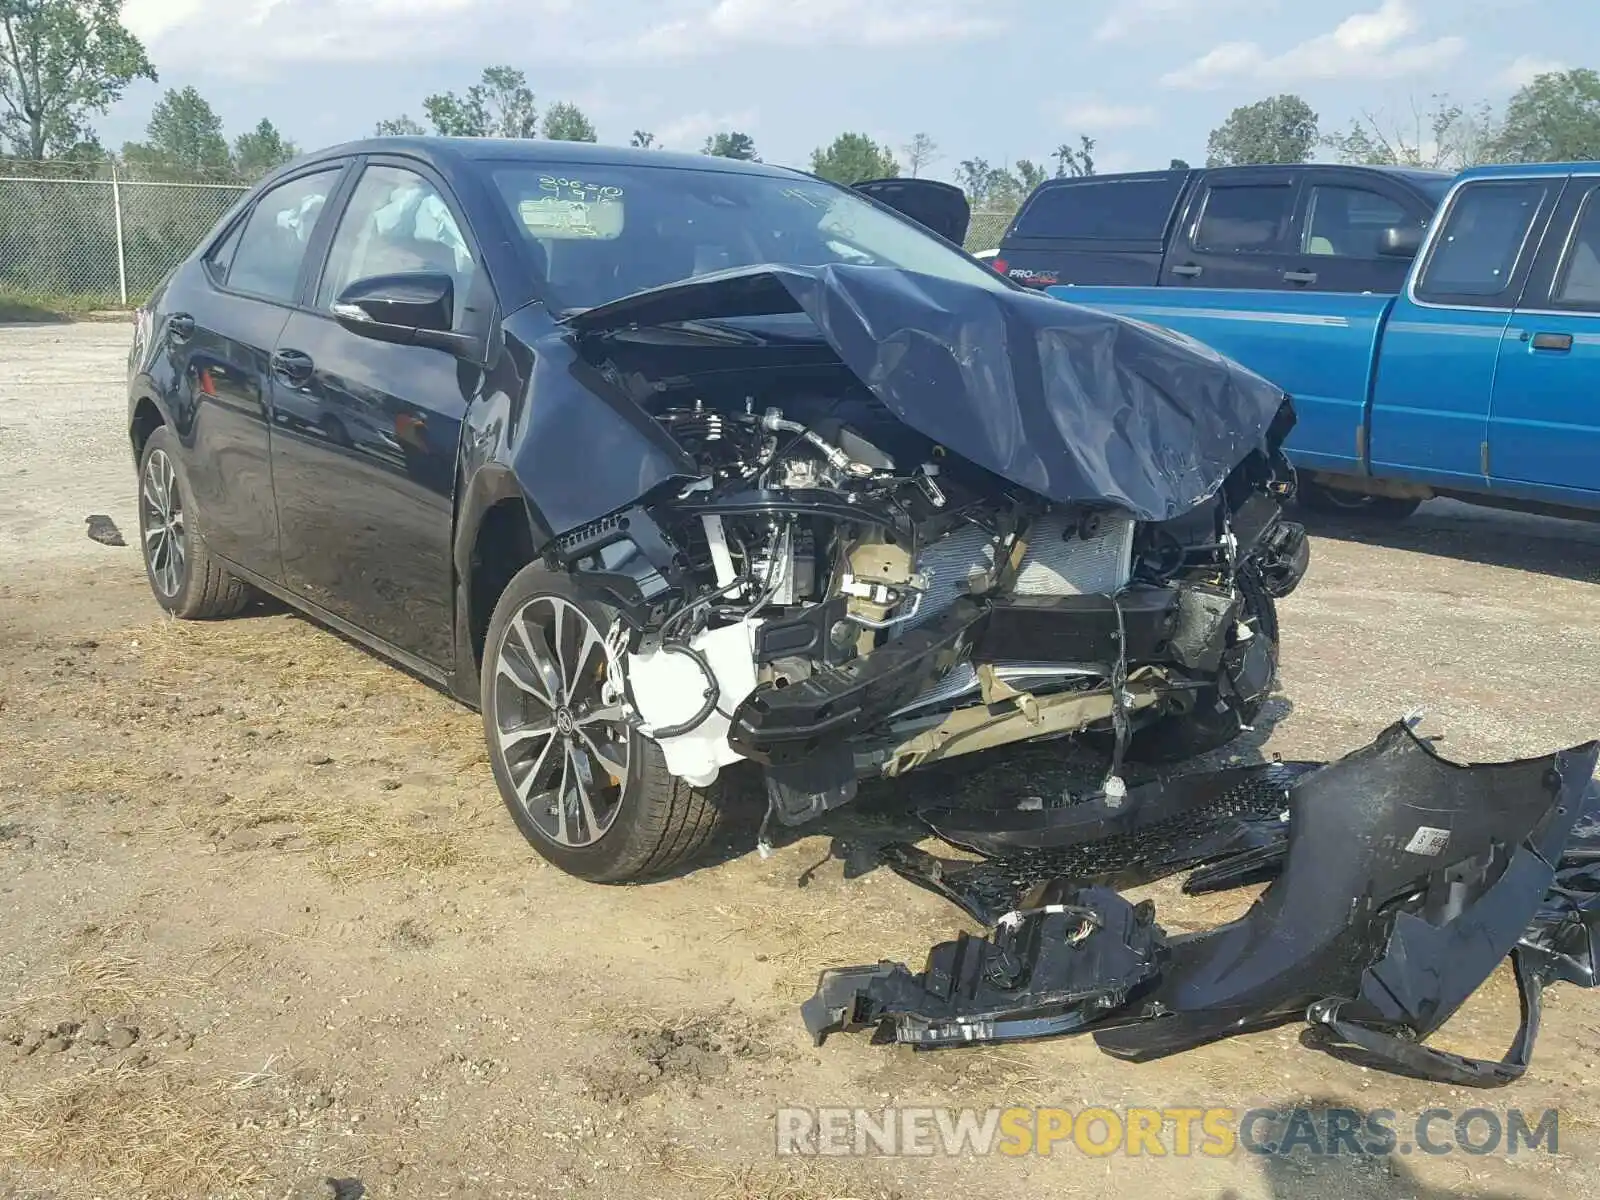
[1306,227]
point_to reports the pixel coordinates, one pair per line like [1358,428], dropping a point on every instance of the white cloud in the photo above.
[689,132]
[1092,116]
[724,24]
[1525,69]
[1129,17]
[1380,44]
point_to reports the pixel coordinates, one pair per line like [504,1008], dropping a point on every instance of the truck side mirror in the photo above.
[1400,242]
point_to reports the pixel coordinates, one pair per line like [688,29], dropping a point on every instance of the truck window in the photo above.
[1111,210]
[1347,222]
[1245,218]
[1578,278]
[1474,258]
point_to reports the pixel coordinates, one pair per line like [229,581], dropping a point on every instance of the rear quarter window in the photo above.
[1123,210]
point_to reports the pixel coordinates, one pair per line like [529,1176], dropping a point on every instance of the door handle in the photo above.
[292,366]
[1560,343]
[1187,270]
[1299,276]
[180,327]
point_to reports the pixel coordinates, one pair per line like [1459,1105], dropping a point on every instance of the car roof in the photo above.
[1522,170]
[443,151]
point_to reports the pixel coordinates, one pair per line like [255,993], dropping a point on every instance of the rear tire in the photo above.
[1337,501]
[187,581]
[593,796]
[1206,728]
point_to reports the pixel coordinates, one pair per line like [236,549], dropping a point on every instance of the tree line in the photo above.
[64,61]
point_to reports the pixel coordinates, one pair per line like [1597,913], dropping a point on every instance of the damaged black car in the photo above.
[681,468]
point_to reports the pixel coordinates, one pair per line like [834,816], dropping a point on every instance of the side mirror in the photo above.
[416,308]
[1400,242]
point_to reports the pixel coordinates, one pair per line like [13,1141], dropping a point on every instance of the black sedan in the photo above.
[676,466]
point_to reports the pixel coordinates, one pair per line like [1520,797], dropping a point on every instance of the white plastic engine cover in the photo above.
[669,688]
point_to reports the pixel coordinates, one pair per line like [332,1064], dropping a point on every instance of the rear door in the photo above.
[1101,229]
[1340,243]
[1544,426]
[1240,231]
[1439,353]
[222,330]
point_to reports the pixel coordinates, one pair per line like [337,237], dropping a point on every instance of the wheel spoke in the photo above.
[512,738]
[579,771]
[562,676]
[616,767]
[525,788]
[562,835]
[601,716]
[591,640]
[532,641]
[524,682]
[153,535]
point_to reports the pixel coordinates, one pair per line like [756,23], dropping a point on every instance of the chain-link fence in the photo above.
[90,233]
[985,230]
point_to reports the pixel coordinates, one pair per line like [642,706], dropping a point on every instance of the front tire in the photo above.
[591,794]
[187,581]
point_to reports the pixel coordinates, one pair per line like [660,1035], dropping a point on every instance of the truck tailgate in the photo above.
[1318,346]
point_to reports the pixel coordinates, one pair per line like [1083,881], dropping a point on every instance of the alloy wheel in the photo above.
[161,522]
[560,730]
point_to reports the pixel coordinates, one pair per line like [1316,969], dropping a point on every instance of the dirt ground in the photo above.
[264,923]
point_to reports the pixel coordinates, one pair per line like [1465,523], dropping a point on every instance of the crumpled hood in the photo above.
[1077,405]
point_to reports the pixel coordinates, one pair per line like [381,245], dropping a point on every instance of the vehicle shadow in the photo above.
[1450,529]
[885,811]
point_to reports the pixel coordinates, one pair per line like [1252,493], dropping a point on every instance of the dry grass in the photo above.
[788,1179]
[143,1135]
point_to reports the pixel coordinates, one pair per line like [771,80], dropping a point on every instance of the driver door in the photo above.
[365,477]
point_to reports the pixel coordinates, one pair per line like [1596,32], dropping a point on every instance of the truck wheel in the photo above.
[186,580]
[1319,498]
[1210,725]
[591,794]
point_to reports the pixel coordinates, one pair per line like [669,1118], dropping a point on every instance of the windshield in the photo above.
[599,233]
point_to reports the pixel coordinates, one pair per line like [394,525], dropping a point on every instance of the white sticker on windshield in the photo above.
[1428,841]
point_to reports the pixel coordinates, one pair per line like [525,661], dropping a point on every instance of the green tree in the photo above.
[262,149]
[61,60]
[1447,136]
[184,136]
[1075,161]
[643,139]
[401,126]
[498,105]
[731,145]
[852,158]
[921,152]
[1556,118]
[1177,164]
[1029,175]
[567,123]
[1281,129]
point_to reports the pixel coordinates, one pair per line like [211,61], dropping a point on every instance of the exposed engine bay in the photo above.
[834,595]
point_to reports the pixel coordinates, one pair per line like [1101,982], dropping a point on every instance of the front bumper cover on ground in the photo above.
[1407,879]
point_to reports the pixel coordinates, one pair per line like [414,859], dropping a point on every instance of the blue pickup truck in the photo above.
[1479,381]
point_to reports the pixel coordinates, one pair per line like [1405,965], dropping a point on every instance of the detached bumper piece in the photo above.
[1403,882]
[1064,962]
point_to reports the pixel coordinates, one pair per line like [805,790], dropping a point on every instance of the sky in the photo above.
[997,79]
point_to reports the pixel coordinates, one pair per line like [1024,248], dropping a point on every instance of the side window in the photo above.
[1578,280]
[1245,218]
[266,261]
[1474,258]
[221,256]
[1347,222]
[396,222]
[1121,210]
